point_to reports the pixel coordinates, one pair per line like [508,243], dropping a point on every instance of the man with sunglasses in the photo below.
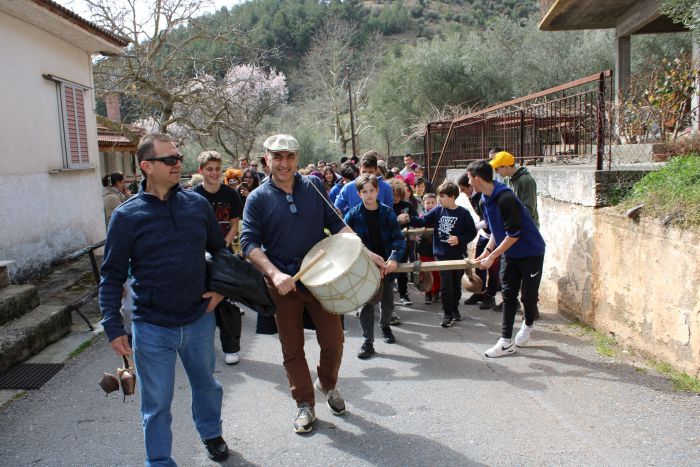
[282,220]
[162,233]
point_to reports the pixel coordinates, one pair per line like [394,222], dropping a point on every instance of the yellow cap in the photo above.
[502,159]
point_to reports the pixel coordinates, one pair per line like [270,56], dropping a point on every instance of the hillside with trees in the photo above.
[406,62]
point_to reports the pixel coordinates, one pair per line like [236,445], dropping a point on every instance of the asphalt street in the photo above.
[431,398]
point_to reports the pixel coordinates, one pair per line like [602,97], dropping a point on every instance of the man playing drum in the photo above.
[282,220]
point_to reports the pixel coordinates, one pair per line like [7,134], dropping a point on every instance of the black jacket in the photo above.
[234,277]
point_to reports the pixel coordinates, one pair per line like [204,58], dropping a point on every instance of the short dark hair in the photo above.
[112,178]
[481,169]
[429,195]
[369,160]
[448,189]
[348,170]
[494,150]
[366,178]
[420,180]
[146,147]
[463,180]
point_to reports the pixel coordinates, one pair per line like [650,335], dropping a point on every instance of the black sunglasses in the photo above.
[168,160]
[292,206]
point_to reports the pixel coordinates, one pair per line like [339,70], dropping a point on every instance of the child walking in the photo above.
[454,229]
[425,251]
[377,226]
[228,209]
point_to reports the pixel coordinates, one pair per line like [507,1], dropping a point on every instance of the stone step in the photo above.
[16,300]
[5,272]
[26,336]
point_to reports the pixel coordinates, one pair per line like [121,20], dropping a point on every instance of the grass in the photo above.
[604,344]
[671,194]
[82,347]
[680,380]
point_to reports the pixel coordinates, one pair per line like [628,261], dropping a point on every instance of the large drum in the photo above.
[344,278]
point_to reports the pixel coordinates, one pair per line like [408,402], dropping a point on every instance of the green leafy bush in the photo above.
[671,193]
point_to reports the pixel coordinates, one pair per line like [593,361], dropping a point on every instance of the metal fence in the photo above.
[564,123]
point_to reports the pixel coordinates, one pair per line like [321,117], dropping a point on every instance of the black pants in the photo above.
[489,277]
[451,291]
[520,274]
[402,277]
[228,319]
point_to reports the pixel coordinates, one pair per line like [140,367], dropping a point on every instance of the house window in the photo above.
[71,111]
[73,128]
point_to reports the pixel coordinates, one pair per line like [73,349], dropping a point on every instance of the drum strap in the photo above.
[329,204]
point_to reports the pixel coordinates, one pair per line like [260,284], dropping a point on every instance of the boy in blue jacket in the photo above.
[454,229]
[377,226]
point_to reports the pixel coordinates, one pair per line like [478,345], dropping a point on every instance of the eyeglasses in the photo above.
[168,160]
[292,206]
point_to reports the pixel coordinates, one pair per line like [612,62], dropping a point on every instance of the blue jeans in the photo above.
[155,349]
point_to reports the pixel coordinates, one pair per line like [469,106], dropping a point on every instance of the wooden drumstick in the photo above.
[308,265]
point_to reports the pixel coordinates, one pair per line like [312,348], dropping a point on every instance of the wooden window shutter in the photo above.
[75,128]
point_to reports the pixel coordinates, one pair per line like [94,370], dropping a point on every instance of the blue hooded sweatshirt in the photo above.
[506,216]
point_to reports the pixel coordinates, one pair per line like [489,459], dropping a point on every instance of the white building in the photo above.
[50,190]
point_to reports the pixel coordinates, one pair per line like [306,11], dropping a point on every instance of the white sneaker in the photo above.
[335,401]
[231,358]
[523,335]
[503,347]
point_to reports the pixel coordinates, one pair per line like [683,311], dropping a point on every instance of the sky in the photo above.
[80,6]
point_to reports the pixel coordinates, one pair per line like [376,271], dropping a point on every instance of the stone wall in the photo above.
[637,281]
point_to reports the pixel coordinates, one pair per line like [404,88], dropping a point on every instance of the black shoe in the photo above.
[498,308]
[388,335]
[428,298]
[217,449]
[474,299]
[446,323]
[436,297]
[488,302]
[394,320]
[456,317]
[366,351]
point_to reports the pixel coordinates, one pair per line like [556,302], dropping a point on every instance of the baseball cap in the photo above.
[502,159]
[281,142]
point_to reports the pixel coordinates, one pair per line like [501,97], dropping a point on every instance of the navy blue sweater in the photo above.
[507,216]
[285,237]
[165,242]
[447,222]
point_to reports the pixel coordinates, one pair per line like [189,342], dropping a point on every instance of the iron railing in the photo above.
[564,122]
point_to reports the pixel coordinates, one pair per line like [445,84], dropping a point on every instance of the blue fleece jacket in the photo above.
[390,231]
[507,216]
[349,197]
[286,236]
[165,241]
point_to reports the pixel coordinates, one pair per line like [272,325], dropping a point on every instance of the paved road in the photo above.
[429,399]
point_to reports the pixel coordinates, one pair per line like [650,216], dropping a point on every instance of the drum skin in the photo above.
[345,278]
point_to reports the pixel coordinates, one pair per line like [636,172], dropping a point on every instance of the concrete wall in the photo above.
[43,213]
[635,280]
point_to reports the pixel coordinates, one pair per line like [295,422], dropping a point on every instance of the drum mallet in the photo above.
[308,265]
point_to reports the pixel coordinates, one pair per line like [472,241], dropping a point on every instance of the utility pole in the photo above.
[352,117]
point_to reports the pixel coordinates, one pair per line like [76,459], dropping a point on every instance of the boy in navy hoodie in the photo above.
[517,240]
[454,229]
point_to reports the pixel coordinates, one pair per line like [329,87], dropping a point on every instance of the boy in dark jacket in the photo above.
[376,225]
[454,229]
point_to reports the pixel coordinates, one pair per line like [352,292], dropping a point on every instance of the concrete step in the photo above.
[16,300]
[27,335]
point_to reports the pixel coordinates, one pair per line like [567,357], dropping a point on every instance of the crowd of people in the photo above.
[157,240]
